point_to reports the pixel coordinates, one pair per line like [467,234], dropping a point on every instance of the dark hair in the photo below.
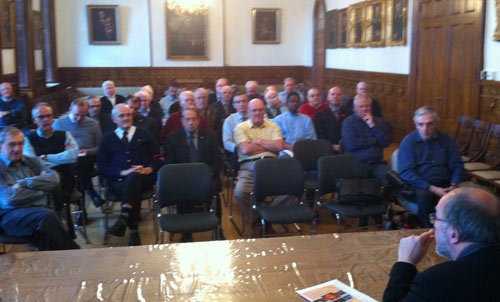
[8,131]
[133,98]
[293,93]
[173,84]
[473,221]
[191,108]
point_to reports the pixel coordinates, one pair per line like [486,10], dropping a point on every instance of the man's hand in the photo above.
[336,147]
[43,157]
[145,171]
[368,119]
[83,152]
[4,113]
[130,170]
[438,191]
[412,249]
[287,146]
[68,147]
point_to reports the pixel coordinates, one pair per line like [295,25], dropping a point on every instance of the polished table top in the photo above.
[238,270]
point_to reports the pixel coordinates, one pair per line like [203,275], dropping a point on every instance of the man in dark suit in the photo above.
[129,159]
[217,95]
[193,144]
[466,231]
[104,119]
[363,89]
[110,98]
[223,105]
[328,122]
[251,90]
[142,115]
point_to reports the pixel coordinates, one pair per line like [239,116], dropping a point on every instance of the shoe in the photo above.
[118,229]
[134,239]
[79,219]
[187,237]
[97,201]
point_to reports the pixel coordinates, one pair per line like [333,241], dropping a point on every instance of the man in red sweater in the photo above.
[314,103]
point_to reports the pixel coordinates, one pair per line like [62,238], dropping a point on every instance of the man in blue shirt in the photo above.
[12,111]
[430,162]
[366,136]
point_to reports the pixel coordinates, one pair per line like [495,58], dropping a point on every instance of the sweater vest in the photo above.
[52,145]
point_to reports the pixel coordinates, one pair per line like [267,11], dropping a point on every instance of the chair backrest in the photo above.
[492,148]
[333,167]
[278,176]
[308,151]
[394,160]
[463,132]
[479,138]
[189,183]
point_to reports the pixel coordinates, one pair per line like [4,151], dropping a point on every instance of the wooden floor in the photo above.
[96,227]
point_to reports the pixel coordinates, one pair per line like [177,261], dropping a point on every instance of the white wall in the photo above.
[390,59]
[491,48]
[74,50]
[8,61]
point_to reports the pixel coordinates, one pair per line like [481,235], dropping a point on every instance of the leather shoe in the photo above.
[134,239]
[118,228]
[187,237]
[97,201]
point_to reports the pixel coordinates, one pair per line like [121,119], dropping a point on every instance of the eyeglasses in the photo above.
[41,117]
[433,218]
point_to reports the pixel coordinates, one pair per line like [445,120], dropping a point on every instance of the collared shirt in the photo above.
[422,163]
[87,133]
[112,99]
[6,99]
[66,157]
[144,112]
[248,132]
[228,127]
[130,133]
[194,136]
[283,95]
[165,104]
[295,127]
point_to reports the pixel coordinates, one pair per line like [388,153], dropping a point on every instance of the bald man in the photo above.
[466,232]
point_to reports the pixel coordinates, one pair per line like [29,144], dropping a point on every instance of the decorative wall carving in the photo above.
[489,101]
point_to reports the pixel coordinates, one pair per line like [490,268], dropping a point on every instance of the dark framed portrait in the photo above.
[266,26]
[8,17]
[332,25]
[38,29]
[375,23]
[104,24]
[186,36]
[356,25]
[397,16]
[342,28]
[496,36]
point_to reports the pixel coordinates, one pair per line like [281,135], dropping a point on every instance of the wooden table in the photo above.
[238,270]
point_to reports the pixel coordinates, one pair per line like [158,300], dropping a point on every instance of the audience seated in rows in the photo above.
[314,103]
[289,86]
[12,110]
[223,105]
[95,113]
[217,95]
[251,90]
[274,107]
[143,121]
[362,89]
[240,103]
[170,97]
[110,98]
[210,112]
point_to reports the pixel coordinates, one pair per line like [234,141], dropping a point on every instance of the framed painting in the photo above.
[266,25]
[496,37]
[342,28]
[397,16]
[186,36]
[103,24]
[356,25]
[38,29]
[8,17]
[332,24]
[375,23]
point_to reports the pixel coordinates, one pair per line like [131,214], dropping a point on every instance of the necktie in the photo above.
[193,153]
[125,138]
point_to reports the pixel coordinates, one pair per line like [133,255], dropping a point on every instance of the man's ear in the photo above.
[453,235]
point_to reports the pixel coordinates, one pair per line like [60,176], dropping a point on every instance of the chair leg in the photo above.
[161,236]
[84,220]
[156,220]
[263,222]
[313,223]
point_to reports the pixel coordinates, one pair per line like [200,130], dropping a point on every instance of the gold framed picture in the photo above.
[356,25]
[104,24]
[266,25]
[332,24]
[187,36]
[342,28]
[496,37]
[8,17]
[375,23]
[397,17]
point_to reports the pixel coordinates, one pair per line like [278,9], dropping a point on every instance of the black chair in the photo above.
[307,152]
[336,167]
[187,184]
[283,176]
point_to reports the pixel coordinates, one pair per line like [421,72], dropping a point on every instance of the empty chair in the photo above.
[187,184]
[463,133]
[280,176]
[307,152]
[489,158]
[479,139]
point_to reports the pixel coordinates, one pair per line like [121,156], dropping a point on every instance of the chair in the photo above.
[280,176]
[335,167]
[307,152]
[6,239]
[186,184]
[479,139]
[463,132]
[489,158]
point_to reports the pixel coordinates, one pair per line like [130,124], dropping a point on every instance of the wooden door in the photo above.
[447,58]
[319,50]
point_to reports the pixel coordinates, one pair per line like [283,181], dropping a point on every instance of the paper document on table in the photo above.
[333,291]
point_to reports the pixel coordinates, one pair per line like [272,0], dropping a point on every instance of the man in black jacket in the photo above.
[110,98]
[466,231]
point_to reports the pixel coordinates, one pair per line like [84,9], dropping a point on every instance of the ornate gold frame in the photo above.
[171,55]
[390,22]
[496,36]
[277,13]
[340,13]
[351,25]
[369,12]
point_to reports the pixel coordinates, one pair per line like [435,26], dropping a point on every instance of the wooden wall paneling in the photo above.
[489,104]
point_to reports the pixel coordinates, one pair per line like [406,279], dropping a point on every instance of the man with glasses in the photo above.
[466,232]
[430,162]
[12,110]
[240,103]
[314,103]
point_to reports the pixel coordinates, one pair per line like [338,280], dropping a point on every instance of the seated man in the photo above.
[140,101]
[251,89]
[57,150]
[213,118]
[289,85]
[129,159]
[12,110]
[174,122]
[170,97]
[24,186]
[223,105]
[314,103]
[149,106]
[362,88]
[191,145]
[240,103]
[217,95]
[366,136]
[110,97]
[430,162]
[255,138]
[328,122]
[294,126]
[87,134]
[95,113]
[273,105]
[466,233]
